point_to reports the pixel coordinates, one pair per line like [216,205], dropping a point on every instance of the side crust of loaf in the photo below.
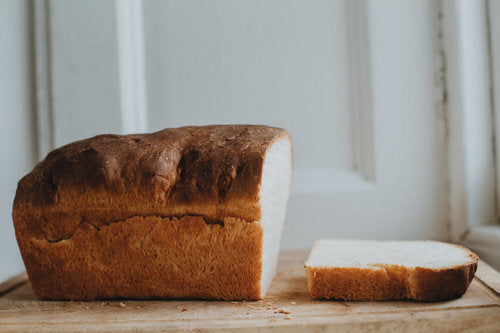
[391,282]
[150,257]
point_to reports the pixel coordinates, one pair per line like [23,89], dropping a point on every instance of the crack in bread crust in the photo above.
[99,225]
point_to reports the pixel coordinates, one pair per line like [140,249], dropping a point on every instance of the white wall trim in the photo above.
[470,142]
[43,85]
[493,8]
[360,88]
[132,73]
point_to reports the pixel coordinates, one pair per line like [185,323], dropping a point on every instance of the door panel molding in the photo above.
[361,176]
[43,86]
[131,58]
[90,70]
[358,49]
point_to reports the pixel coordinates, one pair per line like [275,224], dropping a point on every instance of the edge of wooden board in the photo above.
[13,283]
[489,277]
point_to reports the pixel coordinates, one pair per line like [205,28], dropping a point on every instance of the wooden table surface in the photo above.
[287,308]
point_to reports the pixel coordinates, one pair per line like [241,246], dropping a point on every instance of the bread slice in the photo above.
[364,270]
[192,212]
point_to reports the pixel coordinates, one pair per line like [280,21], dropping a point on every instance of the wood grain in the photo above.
[287,308]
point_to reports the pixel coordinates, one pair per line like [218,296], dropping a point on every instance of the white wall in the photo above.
[17,130]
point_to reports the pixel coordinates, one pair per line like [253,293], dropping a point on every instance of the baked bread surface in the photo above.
[117,216]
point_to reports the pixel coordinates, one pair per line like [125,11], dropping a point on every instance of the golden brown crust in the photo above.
[64,208]
[391,282]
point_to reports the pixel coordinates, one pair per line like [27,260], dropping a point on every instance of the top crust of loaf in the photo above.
[210,171]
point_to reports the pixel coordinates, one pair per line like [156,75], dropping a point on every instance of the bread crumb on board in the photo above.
[122,305]
[182,309]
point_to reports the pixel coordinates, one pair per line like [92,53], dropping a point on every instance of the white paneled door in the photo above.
[353,81]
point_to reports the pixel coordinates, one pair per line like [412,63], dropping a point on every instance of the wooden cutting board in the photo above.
[287,308]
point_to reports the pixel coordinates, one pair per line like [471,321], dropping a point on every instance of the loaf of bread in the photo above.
[389,270]
[192,212]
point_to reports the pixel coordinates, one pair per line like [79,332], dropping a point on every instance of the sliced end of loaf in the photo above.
[389,270]
[274,192]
